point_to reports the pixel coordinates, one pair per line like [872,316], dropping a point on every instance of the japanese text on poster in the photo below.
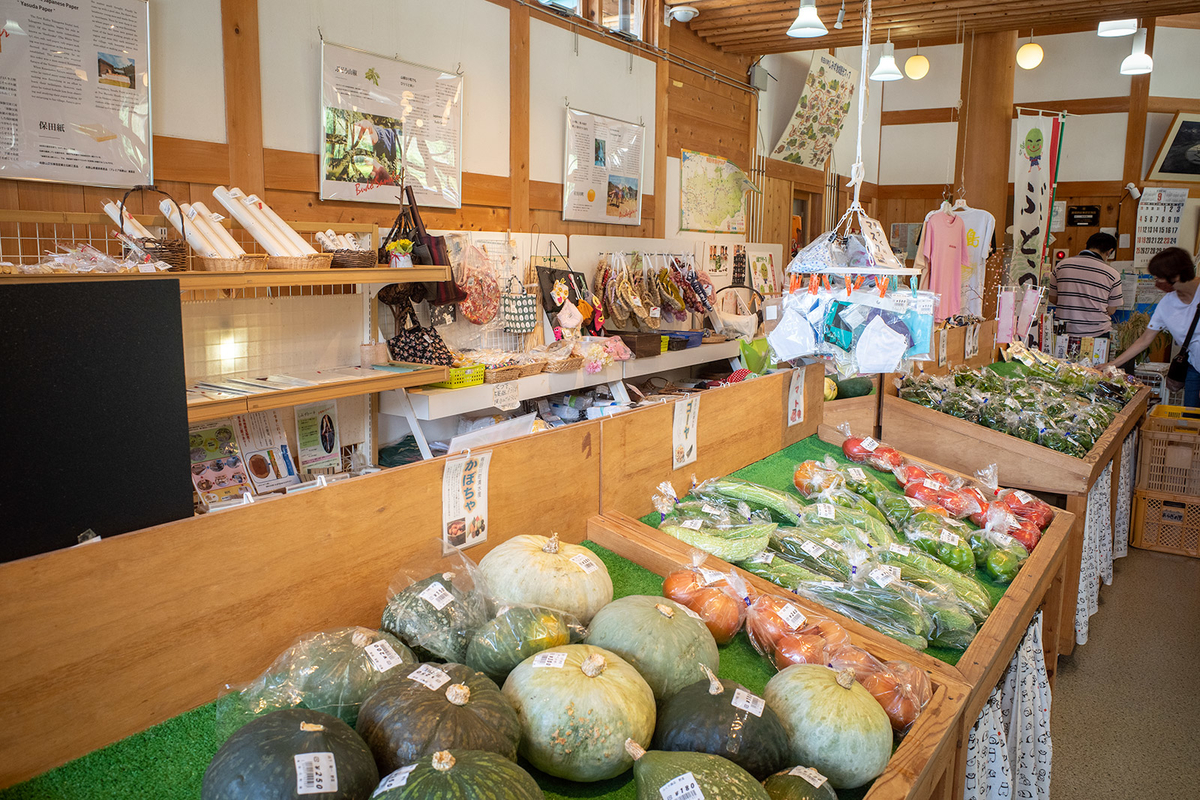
[465,502]
[821,112]
[317,436]
[265,451]
[1159,213]
[75,91]
[385,121]
[683,431]
[602,174]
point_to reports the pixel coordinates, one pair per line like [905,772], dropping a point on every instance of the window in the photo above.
[623,16]
[566,5]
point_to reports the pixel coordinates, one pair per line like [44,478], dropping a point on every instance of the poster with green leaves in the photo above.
[817,122]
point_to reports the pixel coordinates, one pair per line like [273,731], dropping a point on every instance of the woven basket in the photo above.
[247,263]
[354,259]
[313,261]
[566,365]
[502,374]
[532,368]
[170,251]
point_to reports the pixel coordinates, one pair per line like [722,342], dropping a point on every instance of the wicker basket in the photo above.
[170,251]
[247,263]
[566,365]
[532,368]
[462,377]
[312,261]
[354,259]
[502,374]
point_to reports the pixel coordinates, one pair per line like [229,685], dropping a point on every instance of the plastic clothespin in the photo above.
[859,282]
[883,286]
[825,283]
[846,278]
[814,283]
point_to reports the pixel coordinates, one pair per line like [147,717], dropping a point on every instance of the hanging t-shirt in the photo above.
[981,226]
[1172,315]
[945,248]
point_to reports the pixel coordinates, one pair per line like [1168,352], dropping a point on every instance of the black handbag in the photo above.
[419,345]
[1177,372]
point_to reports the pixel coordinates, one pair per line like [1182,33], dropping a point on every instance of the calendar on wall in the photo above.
[1159,213]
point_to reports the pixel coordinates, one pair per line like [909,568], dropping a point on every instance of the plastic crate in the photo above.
[1166,524]
[1170,462]
[462,377]
[1154,375]
[1173,419]
[689,338]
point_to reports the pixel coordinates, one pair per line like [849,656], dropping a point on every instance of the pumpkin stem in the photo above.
[634,749]
[666,611]
[311,727]
[714,685]
[458,694]
[443,761]
[845,678]
[593,665]
[551,545]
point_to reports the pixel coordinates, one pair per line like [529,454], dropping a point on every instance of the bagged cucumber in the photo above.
[827,558]
[732,543]
[925,571]
[784,506]
[875,609]
[778,570]
[822,515]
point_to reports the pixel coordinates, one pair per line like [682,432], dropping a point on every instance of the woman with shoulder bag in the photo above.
[1174,272]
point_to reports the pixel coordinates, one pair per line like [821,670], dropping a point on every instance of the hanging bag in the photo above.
[1177,372]
[519,308]
[419,345]
[478,281]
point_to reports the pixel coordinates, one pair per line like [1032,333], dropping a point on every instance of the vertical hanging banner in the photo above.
[602,169]
[1038,141]
[820,113]
[386,122]
[683,431]
[465,502]
[75,91]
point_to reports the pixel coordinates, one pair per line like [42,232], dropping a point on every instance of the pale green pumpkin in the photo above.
[538,571]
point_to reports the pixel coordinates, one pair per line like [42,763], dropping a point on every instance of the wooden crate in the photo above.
[861,413]
[1169,463]
[1166,523]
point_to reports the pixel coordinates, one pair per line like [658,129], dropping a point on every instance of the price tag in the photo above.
[655,312]
[748,702]
[900,302]
[382,655]
[682,788]
[504,396]
[771,312]
[436,595]
[316,773]
[870,445]
[711,576]
[900,549]
[792,617]
[584,562]
[429,676]
[765,557]
[832,544]
[551,660]
[1024,497]
[949,538]
[691,524]
[857,474]
[708,509]
[395,780]
[825,511]
[814,550]
[942,347]
[930,483]
[191,212]
[885,575]
[913,502]
[809,774]
[636,301]
[148,269]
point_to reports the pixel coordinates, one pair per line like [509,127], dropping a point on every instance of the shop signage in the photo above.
[465,502]
[1083,216]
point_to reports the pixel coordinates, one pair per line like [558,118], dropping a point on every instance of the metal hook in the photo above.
[320,35]
[459,71]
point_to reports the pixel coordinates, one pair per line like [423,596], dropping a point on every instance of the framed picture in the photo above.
[1178,158]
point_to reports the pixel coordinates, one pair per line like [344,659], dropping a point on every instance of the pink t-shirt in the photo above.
[945,248]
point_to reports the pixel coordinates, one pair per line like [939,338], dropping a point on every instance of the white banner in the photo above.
[602,170]
[75,91]
[385,121]
[1036,162]
[820,113]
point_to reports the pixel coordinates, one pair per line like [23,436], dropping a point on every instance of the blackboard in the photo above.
[94,431]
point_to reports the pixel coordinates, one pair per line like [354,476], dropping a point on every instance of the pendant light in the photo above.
[1117,27]
[917,65]
[808,24]
[841,19]
[886,69]
[1138,62]
[1030,54]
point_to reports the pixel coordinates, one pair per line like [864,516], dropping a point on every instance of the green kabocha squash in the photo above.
[662,639]
[532,570]
[459,775]
[437,707]
[332,671]
[834,725]
[724,719]
[799,783]
[289,753]
[660,774]
[514,635]
[435,617]
[577,705]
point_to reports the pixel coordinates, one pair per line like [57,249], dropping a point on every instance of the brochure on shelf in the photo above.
[317,436]
[265,451]
[218,473]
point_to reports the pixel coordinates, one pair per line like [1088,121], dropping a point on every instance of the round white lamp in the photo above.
[1030,54]
[916,67]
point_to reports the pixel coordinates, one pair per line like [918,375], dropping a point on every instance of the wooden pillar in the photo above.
[243,94]
[518,120]
[1135,144]
[984,130]
[661,128]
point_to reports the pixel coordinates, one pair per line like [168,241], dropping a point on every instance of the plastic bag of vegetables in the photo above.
[719,598]
[878,608]
[714,525]
[839,508]
[436,615]
[923,570]
[865,450]
[941,537]
[903,701]
[331,672]
[783,506]
[516,633]
[779,629]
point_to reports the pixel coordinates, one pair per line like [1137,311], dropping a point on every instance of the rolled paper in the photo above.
[325,241]
[287,230]
[201,223]
[255,208]
[232,201]
[131,227]
[218,230]
[194,236]
[348,242]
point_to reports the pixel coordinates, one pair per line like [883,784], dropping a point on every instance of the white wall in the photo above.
[1174,72]
[939,89]
[598,80]
[442,35]
[1075,66]
[776,105]
[918,153]
[844,150]
[187,82]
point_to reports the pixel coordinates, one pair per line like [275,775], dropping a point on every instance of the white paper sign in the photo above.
[692,524]
[711,576]
[395,780]
[971,342]
[382,119]
[682,788]
[765,557]
[316,773]
[870,445]
[900,549]
[382,655]
[265,451]
[465,502]
[75,92]
[436,595]
[825,511]
[748,702]
[949,538]
[942,335]
[429,676]
[832,544]
[885,575]
[683,431]
[796,398]
[504,396]
[857,474]
[603,169]
[584,562]
[551,660]
[814,550]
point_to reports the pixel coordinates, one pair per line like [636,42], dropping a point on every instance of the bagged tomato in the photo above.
[777,628]
[810,646]
[812,477]
[1028,507]
[909,472]
[958,503]
[718,598]
[865,450]
[902,704]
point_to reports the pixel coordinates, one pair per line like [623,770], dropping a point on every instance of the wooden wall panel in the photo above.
[777,212]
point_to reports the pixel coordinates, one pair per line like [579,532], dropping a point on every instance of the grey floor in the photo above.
[1125,719]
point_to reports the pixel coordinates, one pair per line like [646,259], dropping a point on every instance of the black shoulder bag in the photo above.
[1177,372]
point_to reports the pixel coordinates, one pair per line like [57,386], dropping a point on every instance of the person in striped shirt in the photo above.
[1085,290]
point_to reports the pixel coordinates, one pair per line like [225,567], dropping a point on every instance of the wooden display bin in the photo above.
[862,413]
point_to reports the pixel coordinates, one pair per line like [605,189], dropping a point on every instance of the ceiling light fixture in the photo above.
[886,69]
[684,14]
[808,23]
[1030,54]
[1138,62]
[1117,27]
[841,17]
[917,65]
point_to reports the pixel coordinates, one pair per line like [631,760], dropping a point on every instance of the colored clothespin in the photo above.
[846,278]
[814,283]
[825,283]
[859,282]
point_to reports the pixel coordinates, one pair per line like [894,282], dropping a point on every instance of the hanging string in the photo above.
[858,171]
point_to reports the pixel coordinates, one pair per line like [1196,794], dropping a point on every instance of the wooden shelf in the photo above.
[373,381]
[197,281]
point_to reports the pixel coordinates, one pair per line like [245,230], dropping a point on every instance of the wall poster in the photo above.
[384,122]
[602,171]
[821,112]
[75,91]
[712,193]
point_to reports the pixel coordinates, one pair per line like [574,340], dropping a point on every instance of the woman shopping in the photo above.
[1174,272]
